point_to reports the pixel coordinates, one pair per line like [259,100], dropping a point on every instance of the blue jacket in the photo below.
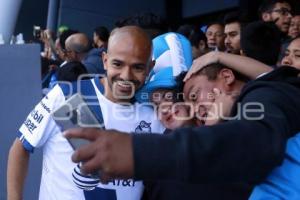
[284,181]
[93,61]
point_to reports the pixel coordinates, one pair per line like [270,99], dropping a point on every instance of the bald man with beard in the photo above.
[128,62]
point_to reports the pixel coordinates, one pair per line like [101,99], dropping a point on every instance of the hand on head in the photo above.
[201,62]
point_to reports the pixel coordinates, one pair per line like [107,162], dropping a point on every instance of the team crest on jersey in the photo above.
[143,127]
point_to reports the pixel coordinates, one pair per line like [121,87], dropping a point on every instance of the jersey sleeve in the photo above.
[39,124]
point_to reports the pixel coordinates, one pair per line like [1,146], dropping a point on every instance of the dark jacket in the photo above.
[93,61]
[237,151]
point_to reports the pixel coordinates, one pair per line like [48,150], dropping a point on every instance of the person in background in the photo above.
[71,71]
[79,48]
[215,36]
[51,79]
[100,37]
[232,30]
[261,41]
[294,29]
[196,37]
[277,11]
[280,13]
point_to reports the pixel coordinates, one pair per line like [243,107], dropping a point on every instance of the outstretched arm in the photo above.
[17,168]
[242,64]
[235,151]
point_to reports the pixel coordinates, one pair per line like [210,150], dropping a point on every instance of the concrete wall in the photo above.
[20,90]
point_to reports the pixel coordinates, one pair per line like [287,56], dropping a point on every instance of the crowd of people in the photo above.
[186,114]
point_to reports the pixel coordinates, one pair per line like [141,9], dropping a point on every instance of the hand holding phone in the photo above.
[75,113]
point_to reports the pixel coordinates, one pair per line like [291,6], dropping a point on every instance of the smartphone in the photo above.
[75,113]
[37,31]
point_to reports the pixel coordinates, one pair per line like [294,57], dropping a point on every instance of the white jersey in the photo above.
[40,130]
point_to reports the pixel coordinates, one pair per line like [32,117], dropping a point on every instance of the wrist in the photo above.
[217,57]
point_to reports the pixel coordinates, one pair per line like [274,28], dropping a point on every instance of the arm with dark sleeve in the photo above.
[238,150]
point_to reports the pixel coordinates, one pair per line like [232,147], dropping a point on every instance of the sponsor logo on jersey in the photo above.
[36,116]
[30,122]
[124,183]
[143,127]
[45,107]
[30,125]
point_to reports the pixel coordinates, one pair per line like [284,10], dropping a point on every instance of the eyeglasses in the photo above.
[217,34]
[283,11]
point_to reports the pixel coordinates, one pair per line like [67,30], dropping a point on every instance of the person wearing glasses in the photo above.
[278,11]
[215,36]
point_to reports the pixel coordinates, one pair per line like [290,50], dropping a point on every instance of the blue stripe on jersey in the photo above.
[87,90]
[93,181]
[78,173]
[100,193]
[86,186]
[68,88]
[27,146]
[99,85]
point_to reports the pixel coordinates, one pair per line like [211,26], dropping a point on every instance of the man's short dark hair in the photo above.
[261,41]
[232,17]
[71,71]
[186,30]
[102,33]
[196,37]
[213,23]
[194,34]
[211,71]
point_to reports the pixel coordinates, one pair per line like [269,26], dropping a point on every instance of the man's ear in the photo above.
[266,17]
[227,76]
[104,60]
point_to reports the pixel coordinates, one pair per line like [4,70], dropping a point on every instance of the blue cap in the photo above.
[173,55]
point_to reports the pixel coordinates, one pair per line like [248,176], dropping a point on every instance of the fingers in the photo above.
[196,66]
[92,165]
[104,178]
[90,134]
[188,75]
[84,153]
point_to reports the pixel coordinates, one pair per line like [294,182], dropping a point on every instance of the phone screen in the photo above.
[75,113]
